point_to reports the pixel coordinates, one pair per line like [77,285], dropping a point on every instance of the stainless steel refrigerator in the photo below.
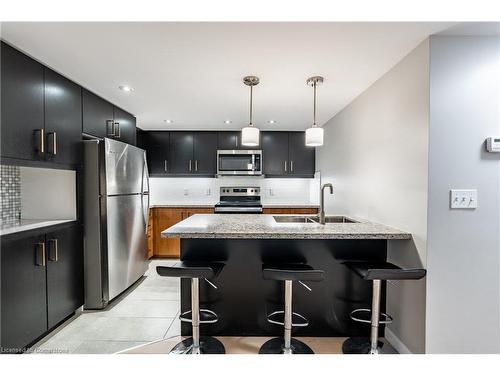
[116,205]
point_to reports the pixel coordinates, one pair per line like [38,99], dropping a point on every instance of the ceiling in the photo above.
[191,73]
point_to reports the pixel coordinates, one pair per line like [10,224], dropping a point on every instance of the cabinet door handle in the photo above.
[41,141]
[291,166]
[110,128]
[165,165]
[190,163]
[196,165]
[118,133]
[285,165]
[53,250]
[40,254]
[52,147]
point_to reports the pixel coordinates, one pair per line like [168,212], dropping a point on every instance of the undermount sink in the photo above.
[312,219]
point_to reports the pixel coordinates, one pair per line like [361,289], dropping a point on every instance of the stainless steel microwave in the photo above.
[239,162]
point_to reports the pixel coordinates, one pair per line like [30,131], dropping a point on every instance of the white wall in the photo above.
[203,191]
[463,293]
[375,154]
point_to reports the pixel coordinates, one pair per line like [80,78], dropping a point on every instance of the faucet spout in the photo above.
[322,202]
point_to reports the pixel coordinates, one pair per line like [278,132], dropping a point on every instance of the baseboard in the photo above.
[396,342]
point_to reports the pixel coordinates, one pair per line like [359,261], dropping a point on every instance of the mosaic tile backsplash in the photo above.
[10,193]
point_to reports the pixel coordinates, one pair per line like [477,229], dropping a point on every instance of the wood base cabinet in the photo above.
[164,218]
[290,211]
[41,282]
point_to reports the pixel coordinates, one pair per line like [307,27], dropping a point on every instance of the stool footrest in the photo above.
[278,317]
[358,316]
[206,317]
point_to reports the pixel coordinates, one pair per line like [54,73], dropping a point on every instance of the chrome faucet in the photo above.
[322,202]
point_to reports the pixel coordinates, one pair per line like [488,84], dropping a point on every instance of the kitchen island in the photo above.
[245,242]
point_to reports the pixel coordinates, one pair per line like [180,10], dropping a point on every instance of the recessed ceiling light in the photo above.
[227,122]
[126,88]
[168,121]
[271,121]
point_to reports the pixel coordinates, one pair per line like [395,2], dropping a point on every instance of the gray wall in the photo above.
[463,295]
[375,154]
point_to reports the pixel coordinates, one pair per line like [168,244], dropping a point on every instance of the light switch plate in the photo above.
[463,198]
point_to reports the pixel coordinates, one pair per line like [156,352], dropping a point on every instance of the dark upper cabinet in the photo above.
[205,153]
[302,159]
[97,116]
[64,259]
[124,126]
[157,146]
[285,154]
[181,152]
[275,153]
[22,105]
[63,119]
[23,298]
[231,140]
[228,140]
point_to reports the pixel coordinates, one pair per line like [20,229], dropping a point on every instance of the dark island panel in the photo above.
[243,299]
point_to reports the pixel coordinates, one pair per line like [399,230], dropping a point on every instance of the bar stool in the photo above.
[376,272]
[288,273]
[196,316]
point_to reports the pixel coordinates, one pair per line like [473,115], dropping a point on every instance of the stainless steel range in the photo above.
[239,200]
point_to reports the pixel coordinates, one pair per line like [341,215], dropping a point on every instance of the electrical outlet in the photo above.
[186,192]
[463,198]
[208,192]
[271,192]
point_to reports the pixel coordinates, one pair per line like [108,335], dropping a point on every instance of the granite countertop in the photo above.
[208,205]
[265,227]
[27,224]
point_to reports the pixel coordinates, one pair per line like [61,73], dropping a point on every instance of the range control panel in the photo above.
[239,191]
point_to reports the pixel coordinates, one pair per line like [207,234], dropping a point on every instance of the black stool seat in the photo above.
[191,270]
[294,272]
[384,271]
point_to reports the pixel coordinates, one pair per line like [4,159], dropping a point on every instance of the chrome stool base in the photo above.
[208,345]
[277,346]
[359,345]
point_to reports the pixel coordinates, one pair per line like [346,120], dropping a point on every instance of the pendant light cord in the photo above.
[314,111]
[251,104]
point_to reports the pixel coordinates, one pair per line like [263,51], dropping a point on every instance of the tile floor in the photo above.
[145,313]
[145,320]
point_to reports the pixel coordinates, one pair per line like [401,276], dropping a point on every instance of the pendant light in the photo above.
[314,134]
[250,134]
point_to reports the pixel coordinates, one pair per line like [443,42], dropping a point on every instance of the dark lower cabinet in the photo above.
[63,119]
[64,273]
[124,126]
[41,282]
[24,299]
[205,153]
[22,105]
[98,117]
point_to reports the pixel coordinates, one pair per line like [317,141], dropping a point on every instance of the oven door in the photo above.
[239,162]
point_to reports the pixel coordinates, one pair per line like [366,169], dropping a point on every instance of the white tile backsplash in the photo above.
[203,191]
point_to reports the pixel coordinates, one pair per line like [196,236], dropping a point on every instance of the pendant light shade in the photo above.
[314,134]
[250,135]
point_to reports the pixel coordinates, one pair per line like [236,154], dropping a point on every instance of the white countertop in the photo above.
[27,224]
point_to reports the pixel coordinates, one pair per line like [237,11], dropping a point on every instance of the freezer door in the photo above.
[127,247]
[124,168]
